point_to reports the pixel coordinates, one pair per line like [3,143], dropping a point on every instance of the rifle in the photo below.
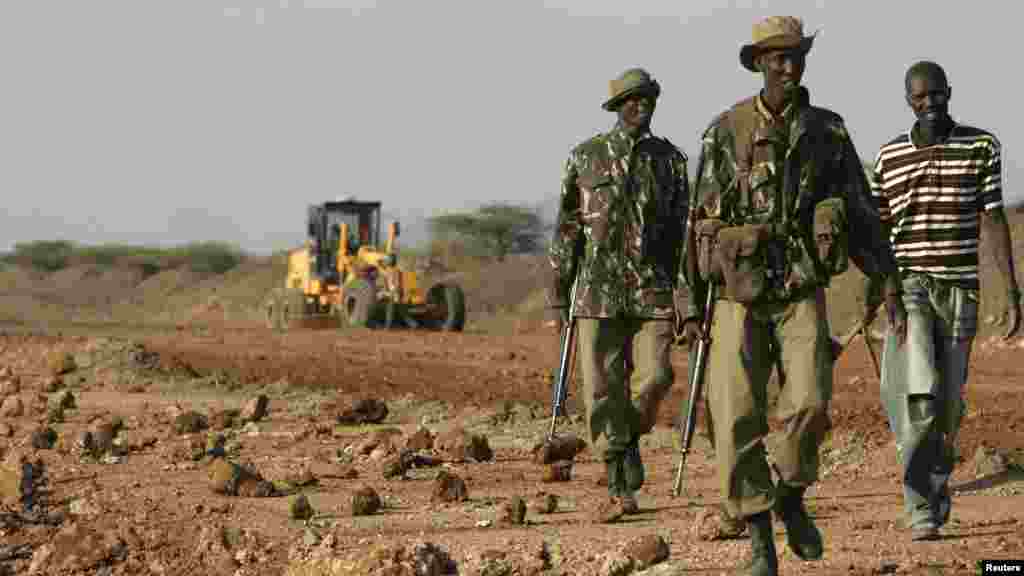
[566,361]
[696,383]
[858,329]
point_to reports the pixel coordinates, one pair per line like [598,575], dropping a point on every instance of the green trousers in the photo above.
[611,353]
[746,341]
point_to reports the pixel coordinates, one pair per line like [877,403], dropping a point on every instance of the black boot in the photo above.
[802,535]
[763,560]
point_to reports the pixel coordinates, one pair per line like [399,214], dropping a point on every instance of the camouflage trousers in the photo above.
[611,353]
[747,344]
[922,390]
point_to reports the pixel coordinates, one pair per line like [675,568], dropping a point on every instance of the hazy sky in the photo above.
[164,122]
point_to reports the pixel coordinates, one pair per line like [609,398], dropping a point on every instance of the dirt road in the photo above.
[149,509]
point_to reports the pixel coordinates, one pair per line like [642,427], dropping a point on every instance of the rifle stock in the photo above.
[566,362]
[696,384]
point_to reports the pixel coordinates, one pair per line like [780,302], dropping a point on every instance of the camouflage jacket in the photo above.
[620,225]
[759,168]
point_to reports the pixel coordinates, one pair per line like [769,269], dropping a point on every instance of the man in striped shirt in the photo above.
[937,186]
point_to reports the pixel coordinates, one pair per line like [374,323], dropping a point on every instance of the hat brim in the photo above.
[750,52]
[613,103]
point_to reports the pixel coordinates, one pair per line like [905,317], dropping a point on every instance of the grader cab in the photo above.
[346,274]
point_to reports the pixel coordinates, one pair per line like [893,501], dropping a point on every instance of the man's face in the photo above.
[928,96]
[783,70]
[636,112]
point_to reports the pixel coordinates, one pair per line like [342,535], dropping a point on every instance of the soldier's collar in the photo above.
[802,99]
[620,133]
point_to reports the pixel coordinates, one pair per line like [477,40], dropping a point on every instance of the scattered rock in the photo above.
[420,440]
[60,363]
[302,477]
[365,501]
[395,467]
[216,445]
[558,448]
[431,560]
[232,479]
[12,407]
[646,551]
[299,507]
[384,438]
[43,438]
[364,411]
[84,507]
[52,384]
[6,431]
[714,524]
[190,423]
[347,472]
[65,399]
[449,487]
[616,564]
[103,438]
[560,471]
[544,503]
[11,385]
[255,409]
[990,461]
[223,419]
[18,479]
[461,446]
[513,511]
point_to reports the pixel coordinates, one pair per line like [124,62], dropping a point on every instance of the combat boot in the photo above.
[763,559]
[802,535]
[611,510]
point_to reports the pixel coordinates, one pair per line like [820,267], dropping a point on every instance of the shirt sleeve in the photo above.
[877,181]
[990,182]
[708,183]
[564,251]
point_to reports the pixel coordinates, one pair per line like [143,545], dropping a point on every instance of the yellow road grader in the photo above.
[344,275]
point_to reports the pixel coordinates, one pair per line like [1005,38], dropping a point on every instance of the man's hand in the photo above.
[687,331]
[1012,313]
[897,316]
[561,318]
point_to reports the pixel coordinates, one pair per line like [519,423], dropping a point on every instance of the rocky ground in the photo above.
[244,451]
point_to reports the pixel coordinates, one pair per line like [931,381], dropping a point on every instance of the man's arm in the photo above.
[997,231]
[707,182]
[870,249]
[566,243]
[682,208]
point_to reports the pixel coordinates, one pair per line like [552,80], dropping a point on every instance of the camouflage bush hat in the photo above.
[632,81]
[775,33]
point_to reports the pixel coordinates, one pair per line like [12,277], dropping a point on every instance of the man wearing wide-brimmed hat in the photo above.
[619,230]
[780,188]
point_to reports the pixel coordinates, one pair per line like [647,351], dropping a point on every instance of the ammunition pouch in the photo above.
[831,236]
[706,234]
[737,257]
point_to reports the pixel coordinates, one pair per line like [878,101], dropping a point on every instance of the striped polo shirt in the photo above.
[932,198]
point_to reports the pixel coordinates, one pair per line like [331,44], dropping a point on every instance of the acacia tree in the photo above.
[501,228]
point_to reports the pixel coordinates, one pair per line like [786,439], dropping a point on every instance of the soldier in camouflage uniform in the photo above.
[620,229]
[780,188]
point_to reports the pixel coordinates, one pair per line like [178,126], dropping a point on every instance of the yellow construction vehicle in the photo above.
[343,274]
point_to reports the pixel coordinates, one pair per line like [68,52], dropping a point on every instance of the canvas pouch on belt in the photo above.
[735,257]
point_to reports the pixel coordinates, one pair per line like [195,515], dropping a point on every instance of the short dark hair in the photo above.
[925,68]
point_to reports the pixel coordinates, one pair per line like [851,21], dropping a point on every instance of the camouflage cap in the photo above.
[632,81]
[775,33]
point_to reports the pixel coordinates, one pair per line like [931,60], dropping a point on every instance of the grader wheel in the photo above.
[449,305]
[284,306]
[358,303]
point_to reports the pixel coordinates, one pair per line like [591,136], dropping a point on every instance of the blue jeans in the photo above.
[922,390]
